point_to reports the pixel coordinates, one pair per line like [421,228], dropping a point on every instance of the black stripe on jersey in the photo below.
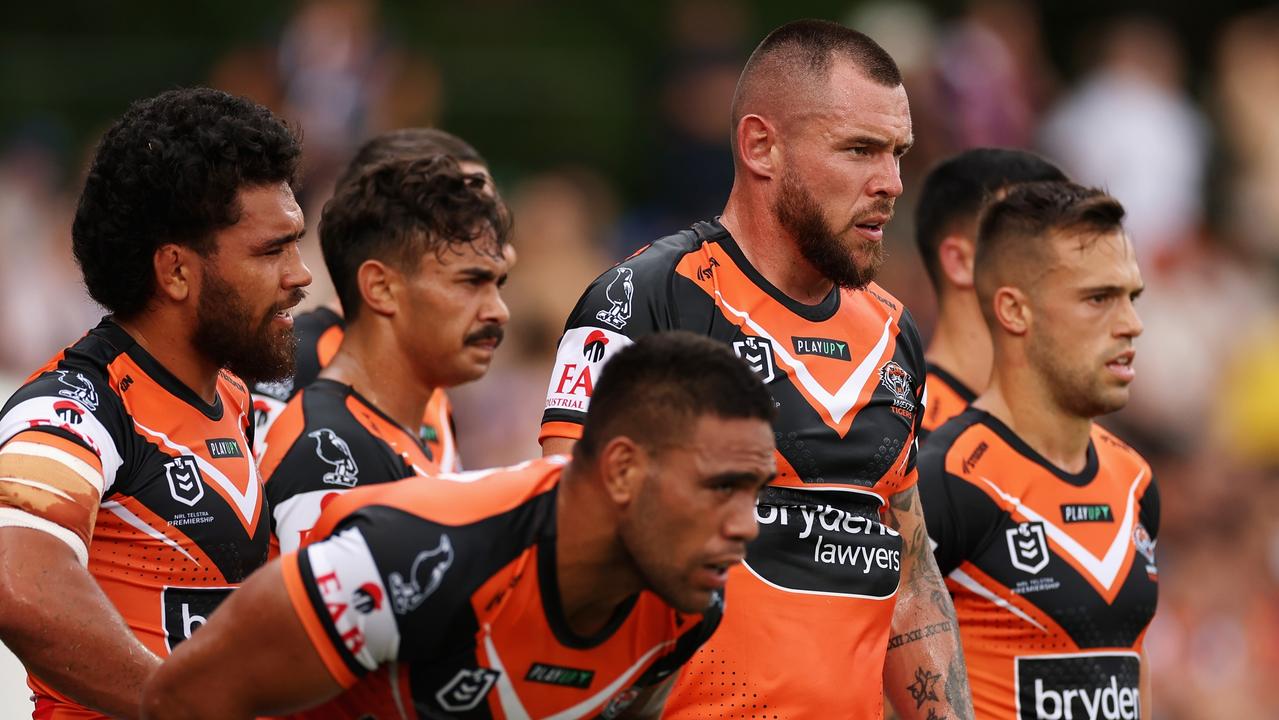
[116,335]
[963,391]
[824,310]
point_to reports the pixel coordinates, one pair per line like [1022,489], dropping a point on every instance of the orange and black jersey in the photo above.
[319,334]
[847,375]
[441,596]
[947,397]
[329,439]
[157,489]
[1053,574]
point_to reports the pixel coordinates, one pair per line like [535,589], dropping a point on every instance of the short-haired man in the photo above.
[950,202]
[130,505]
[562,587]
[417,251]
[319,332]
[820,122]
[1045,523]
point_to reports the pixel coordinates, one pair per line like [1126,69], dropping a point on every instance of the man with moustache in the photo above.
[950,201]
[319,332]
[130,505]
[418,253]
[1045,523]
[784,277]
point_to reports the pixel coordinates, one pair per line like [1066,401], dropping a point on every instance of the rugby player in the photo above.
[562,587]
[130,504]
[319,332]
[1045,523]
[946,213]
[417,251]
[820,122]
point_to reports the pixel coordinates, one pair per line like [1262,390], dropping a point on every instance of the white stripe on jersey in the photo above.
[13,517]
[298,515]
[86,471]
[39,411]
[345,574]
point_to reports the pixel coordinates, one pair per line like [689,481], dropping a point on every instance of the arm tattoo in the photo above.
[925,686]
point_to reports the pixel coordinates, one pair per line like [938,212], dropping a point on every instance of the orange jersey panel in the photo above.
[441,596]
[947,397]
[1053,574]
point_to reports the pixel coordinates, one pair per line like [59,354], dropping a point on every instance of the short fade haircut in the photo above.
[169,171]
[805,50]
[653,392]
[1017,231]
[408,143]
[956,189]
[397,211]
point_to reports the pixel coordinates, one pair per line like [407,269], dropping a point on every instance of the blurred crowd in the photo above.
[1194,157]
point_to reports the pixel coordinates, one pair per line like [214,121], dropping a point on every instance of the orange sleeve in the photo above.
[305,609]
[559,429]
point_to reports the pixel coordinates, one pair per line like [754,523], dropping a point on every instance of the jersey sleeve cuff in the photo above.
[307,609]
[559,429]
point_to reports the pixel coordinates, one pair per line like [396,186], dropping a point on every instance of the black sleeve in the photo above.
[914,348]
[960,518]
[627,302]
[1150,509]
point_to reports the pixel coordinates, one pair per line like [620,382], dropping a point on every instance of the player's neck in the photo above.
[1023,402]
[961,342]
[771,250]
[369,363]
[594,575]
[168,340]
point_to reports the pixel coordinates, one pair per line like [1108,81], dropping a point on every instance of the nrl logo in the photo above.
[1027,547]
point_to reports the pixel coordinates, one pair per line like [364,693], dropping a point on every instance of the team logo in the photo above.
[467,689]
[68,412]
[1146,546]
[424,577]
[593,348]
[368,597]
[618,705]
[1027,547]
[333,450]
[757,353]
[619,293]
[901,385]
[184,480]
[79,389]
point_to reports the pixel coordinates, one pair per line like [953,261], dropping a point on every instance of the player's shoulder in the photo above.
[515,496]
[1114,453]
[317,429]
[958,444]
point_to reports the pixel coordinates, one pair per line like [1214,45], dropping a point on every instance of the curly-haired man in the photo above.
[130,505]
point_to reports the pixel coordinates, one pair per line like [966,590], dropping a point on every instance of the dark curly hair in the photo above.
[397,211]
[168,171]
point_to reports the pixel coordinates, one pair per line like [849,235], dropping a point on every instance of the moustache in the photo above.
[491,331]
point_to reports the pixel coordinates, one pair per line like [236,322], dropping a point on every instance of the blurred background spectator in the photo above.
[606,127]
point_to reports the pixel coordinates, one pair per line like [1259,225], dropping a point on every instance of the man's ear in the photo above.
[176,270]
[381,287]
[623,467]
[1012,310]
[955,257]
[757,146]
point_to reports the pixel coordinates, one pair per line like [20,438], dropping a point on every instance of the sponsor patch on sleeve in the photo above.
[359,609]
[582,355]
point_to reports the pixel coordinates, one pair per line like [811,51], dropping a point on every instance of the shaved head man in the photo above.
[841,570]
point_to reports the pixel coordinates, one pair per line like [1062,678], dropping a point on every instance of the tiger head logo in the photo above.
[897,380]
